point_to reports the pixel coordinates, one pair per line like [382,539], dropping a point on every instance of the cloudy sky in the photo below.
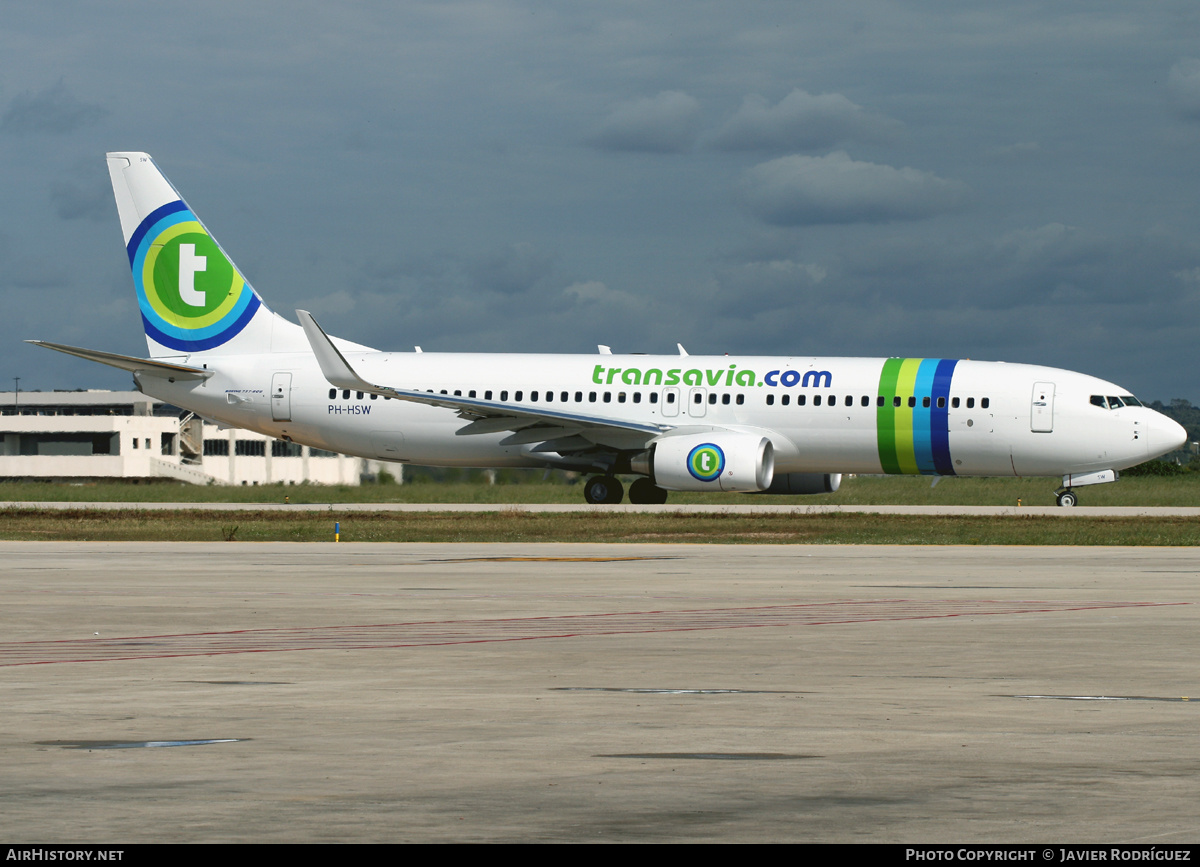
[1010,180]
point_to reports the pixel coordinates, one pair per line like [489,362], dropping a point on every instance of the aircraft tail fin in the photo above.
[191,296]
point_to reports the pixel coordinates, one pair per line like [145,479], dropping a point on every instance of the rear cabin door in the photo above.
[281,397]
[1041,410]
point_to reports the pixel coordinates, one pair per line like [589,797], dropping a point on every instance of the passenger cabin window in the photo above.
[816,400]
[654,397]
[849,400]
[784,400]
[985,402]
[487,395]
[504,395]
[770,400]
[954,403]
[345,394]
[970,403]
[925,402]
[801,399]
[741,398]
[333,394]
[866,401]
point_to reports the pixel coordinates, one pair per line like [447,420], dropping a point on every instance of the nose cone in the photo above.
[1163,435]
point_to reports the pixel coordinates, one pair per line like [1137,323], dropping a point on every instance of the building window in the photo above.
[216,448]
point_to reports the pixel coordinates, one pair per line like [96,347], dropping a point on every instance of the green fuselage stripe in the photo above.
[894,424]
[906,385]
[885,416]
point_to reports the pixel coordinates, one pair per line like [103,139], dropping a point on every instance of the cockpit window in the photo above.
[1098,400]
[1114,402]
[1130,400]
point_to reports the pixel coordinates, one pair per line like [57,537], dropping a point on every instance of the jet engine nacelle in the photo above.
[715,461]
[805,483]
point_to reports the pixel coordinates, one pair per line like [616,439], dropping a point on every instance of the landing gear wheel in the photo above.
[603,489]
[645,492]
[1067,498]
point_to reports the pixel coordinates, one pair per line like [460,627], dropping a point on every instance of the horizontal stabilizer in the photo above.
[153,367]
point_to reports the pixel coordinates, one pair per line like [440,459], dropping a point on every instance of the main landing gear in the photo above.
[1066,498]
[607,490]
[603,489]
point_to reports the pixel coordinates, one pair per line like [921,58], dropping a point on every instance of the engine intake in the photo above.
[805,483]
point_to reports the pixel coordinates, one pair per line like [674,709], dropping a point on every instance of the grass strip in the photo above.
[862,490]
[512,526]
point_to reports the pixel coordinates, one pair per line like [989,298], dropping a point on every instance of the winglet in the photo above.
[334,365]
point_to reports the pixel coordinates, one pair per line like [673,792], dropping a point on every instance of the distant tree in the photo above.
[1183,412]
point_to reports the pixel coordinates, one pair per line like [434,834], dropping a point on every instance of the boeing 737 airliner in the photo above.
[786,425]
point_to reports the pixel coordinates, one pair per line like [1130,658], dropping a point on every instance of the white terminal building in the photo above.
[127,435]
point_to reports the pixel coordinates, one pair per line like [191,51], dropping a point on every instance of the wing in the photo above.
[553,430]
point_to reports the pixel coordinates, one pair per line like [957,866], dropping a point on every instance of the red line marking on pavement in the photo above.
[445,632]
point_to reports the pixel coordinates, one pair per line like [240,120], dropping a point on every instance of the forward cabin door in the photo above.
[1041,410]
[281,397]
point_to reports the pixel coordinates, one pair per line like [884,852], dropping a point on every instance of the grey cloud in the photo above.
[512,271]
[799,121]
[82,201]
[1184,85]
[53,111]
[801,190]
[667,123]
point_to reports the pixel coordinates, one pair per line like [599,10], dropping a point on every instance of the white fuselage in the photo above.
[995,419]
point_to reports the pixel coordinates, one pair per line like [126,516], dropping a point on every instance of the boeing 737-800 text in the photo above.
[783,425]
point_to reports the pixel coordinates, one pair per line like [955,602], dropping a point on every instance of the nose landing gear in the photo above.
[1066,498]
